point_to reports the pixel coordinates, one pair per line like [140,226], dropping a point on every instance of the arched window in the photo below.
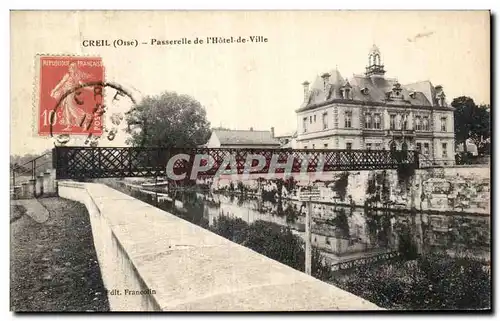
[398,121]
[368,121]
[392,146]
[376,121]
[425,123]
[404,146]
[404,122]
[417,123]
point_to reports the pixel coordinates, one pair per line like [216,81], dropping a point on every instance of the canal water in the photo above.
[340,232]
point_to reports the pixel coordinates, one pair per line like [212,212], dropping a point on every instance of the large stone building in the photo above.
[371,111]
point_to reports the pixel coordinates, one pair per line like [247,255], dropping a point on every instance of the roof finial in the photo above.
[375,49]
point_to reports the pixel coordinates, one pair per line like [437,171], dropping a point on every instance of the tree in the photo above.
[471,121]
[168,120]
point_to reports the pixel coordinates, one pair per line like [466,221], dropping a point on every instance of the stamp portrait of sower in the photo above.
[67,102]
[71,112]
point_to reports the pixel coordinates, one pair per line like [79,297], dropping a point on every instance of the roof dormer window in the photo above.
[346,90]
[364,91]
[413,94]
[396,91]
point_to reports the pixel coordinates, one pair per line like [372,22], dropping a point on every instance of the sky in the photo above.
[253,84]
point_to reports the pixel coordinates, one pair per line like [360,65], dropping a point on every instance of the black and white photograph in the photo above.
[250,161]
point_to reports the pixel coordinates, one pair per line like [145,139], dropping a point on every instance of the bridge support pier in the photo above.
[31,188]
[48,183]
[18,192]
[24,190]
[39,185]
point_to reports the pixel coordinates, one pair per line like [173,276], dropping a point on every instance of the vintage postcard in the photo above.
[250,161]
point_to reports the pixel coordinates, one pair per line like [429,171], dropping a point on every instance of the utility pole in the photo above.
[308,196]
[156,190]
[308,236]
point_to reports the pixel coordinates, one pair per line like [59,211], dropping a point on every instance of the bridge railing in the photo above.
[353,263]
[101,162]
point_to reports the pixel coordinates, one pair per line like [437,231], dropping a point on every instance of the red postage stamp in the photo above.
[69,95]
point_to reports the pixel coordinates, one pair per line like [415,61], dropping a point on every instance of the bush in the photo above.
[231,228]
[340,185]
[276,242]
[272,240]
[430,282]
[407,246]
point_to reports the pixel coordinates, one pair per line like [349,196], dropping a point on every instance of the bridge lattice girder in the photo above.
[105,162]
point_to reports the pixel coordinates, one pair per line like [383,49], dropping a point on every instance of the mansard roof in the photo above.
[367,90]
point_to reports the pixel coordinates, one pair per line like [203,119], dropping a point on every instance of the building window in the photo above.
[314,146]
[393,121]
[404,122]
[348,146]
[443,124]
[325,121]
[419,147]
[368,146]
[426,149]
[310,119]
[425,123]
[378,146]
[346,93]
[368,121]
[445,150]
[325,146]
[304,124]
[393,146]
[377,120]
[314,117]
[418,123]
[348,119]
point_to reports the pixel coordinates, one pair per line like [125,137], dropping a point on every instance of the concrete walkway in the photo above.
[34,209]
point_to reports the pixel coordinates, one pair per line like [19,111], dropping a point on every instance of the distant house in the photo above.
[242,139]
[471,147]
[287,140]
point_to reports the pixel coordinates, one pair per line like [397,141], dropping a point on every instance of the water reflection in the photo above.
[340,232]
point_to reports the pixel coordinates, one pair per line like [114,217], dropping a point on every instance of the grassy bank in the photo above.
[54,265]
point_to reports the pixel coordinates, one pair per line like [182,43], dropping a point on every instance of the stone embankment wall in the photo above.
[452,189]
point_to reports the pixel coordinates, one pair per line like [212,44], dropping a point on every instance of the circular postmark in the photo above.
[96,109]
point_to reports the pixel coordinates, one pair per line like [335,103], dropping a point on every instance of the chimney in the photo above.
[326,79]
[272,132]
[251,129]
[305,84]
